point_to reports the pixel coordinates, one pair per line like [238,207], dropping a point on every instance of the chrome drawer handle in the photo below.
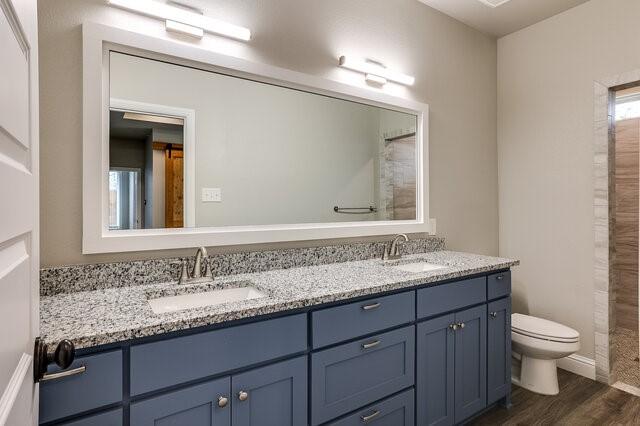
[371,344]
[243,396]
[454,327]
[61,374]
[493,314]
[222,401]
[371,416]
[461,325]
[371,306]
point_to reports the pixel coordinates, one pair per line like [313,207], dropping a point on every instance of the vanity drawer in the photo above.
[170,362]
[333,325]
[499,285]
[397,411]
[449,297]
[358,373]
[99,385]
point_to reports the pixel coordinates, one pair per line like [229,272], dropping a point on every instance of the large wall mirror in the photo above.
[224,151]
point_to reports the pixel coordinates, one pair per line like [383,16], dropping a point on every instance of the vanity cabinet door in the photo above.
[198,405]
[275,395]
[498,349]
[471,362]
[435,372]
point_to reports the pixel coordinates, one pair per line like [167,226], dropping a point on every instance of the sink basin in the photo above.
[419,267]
[162,305]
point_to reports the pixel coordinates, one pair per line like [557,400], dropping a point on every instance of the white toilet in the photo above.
[539,343]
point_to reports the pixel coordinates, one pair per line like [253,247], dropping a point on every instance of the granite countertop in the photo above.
[92,318]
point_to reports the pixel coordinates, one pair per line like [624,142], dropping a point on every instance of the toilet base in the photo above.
[538,375]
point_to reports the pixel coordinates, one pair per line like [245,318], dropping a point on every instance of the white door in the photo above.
[19,261]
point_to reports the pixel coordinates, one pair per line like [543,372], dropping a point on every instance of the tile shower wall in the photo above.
[627,142]
[67,279]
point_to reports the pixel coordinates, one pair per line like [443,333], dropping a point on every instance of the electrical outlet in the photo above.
[211,195]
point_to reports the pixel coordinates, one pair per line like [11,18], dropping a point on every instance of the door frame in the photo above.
[605,281]
[188,147]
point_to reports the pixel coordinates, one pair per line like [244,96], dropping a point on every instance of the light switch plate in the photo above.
[211,195]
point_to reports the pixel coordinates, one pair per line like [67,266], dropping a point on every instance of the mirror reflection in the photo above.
[194,148]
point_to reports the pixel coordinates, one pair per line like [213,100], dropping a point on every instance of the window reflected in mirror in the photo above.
[196,148]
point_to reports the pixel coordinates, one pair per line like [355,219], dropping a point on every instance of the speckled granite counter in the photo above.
[92,318]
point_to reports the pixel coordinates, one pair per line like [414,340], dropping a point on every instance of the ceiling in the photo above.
[505,19]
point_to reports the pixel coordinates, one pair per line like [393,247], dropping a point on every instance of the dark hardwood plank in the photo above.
[580,402]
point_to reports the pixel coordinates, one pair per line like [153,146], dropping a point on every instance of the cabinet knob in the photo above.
[243,396]
[493,314]
[222,401]
[454,327]
[461,325]
[500,277]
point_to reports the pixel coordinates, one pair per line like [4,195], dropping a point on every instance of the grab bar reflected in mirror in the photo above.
[355,210]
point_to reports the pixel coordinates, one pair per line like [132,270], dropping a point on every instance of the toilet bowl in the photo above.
[540,343]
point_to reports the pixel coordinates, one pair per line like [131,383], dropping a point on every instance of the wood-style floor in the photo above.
[581,402]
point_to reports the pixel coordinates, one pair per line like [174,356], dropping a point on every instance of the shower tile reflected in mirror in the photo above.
[195,148]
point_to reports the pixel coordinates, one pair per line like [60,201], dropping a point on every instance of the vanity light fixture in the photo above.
[376,73]
[372,78]
[493,3]
[182,20]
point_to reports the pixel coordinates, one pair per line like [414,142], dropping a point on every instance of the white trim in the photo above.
[580,365]
[14,386]
[97,239]
[188,148]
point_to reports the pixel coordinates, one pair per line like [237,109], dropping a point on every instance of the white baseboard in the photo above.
[580,365]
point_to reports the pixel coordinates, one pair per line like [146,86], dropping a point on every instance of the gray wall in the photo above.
[454,65]
[546,76]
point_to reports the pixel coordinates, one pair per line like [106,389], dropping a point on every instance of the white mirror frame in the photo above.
[97,238]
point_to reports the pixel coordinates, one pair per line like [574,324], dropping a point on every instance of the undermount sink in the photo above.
[179,302]
[417,267]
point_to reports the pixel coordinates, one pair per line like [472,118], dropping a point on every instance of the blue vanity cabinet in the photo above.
[499,349]
[352,375]
[432,356]
[197,405]
[470,362]
[275,395]
[435,372]
[394,411]
[451,366]
[110,418]
[99,385]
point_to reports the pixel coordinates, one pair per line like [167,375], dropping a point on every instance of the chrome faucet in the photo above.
[196,273]
[392,251]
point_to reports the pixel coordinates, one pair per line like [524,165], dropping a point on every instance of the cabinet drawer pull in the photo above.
[371,344]
[371,416]
[454,327]
[493,314]
[61,374]
[500,277]
[243,396]
[371,306]
[461,325]
[222,401]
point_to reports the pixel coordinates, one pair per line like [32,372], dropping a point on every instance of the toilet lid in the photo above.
[543,329]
